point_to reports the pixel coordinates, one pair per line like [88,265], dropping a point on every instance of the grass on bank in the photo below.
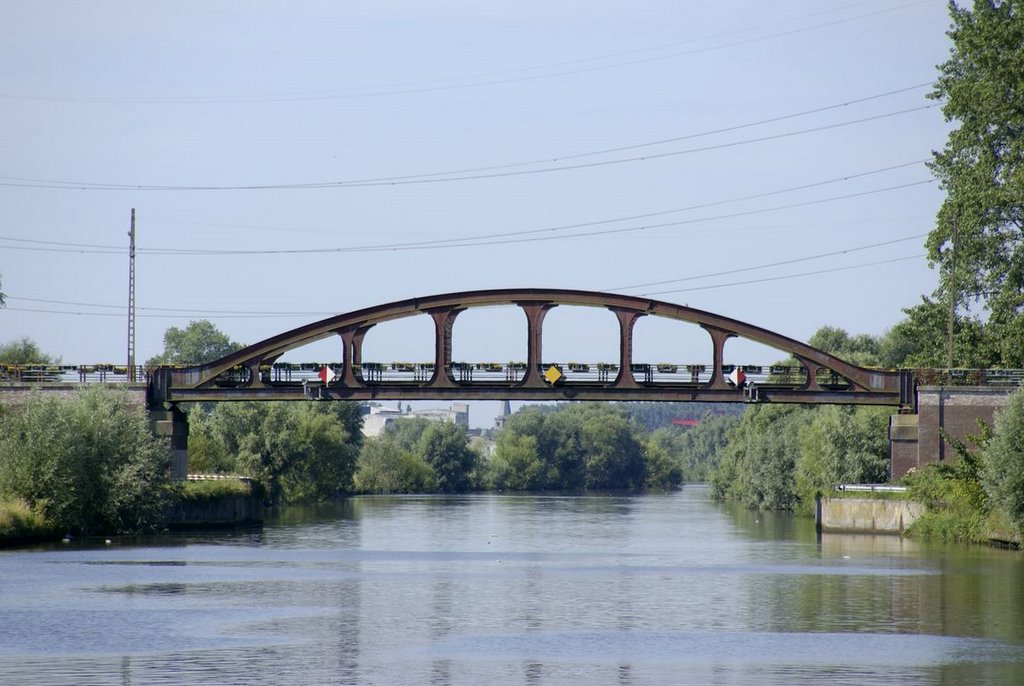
[959,506]
[212,489]
[20,521]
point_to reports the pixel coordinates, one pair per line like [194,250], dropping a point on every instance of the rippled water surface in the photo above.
[496,589]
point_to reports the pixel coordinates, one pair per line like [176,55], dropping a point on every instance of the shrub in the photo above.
[1003,473]
[213,489]
[385,467]
[19,520]
[87,463]
[297,452]
[957,505]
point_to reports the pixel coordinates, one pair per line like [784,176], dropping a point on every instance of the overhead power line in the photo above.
[795,260]
[437,177]
[182,312]
[179,311]
[545,233]
[788,276]
[261,315]
[504,238]
[585,234]
[153,316]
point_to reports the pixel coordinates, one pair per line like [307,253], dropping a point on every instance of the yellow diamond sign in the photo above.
[552,375]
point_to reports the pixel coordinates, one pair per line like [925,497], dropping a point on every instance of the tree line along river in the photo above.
[513,589]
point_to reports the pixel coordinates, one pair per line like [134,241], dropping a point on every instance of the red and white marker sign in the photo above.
[737,377]
[326,374]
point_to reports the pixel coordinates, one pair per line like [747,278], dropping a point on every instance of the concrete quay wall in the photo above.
[226,511]
[867,515]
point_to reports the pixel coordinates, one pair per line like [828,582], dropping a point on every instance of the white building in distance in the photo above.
[379,417]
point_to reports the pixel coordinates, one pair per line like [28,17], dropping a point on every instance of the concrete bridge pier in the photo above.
[173,424]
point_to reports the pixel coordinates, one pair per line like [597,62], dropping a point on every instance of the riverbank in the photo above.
[221,503]
[895,514]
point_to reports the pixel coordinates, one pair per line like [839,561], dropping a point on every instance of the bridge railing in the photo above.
[969,377]
[71,373]
[501,372]
[871,488]
[513,372]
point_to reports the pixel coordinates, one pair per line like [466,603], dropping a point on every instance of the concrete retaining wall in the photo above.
[216,512]
[867,515]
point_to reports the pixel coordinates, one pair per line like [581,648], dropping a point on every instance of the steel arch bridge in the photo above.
[254,373]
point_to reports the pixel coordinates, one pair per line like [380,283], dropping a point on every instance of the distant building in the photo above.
[506,412]
[379,417]
[679,421]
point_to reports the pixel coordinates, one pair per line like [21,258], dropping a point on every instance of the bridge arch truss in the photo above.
[248,374]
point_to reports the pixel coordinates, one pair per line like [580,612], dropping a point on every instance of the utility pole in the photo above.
[131,300]
[952,298]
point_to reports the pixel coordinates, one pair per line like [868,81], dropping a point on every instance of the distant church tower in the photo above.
[506,412]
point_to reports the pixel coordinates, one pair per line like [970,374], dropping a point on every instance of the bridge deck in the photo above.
[575,391]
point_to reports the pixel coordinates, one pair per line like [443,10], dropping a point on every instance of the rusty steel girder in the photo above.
[205,382]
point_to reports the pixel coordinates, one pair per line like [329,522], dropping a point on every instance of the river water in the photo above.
[496,589]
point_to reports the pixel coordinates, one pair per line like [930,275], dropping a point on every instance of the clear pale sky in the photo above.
[645,126]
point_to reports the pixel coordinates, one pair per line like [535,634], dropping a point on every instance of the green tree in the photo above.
[841,445]
[778,457]
[407,432]
[614,454]
[384,467]
[1003,472]
[445,447]
[758,466]
[920,339]
[326,455]
[516,466]
[561,449]
[88,462]
[23,351]
[696,449]
[661,470]
[659,415]
[197,343]
[299,452]
[579,446]
[860,349]
[977,242]
[207,454]
[350,414]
